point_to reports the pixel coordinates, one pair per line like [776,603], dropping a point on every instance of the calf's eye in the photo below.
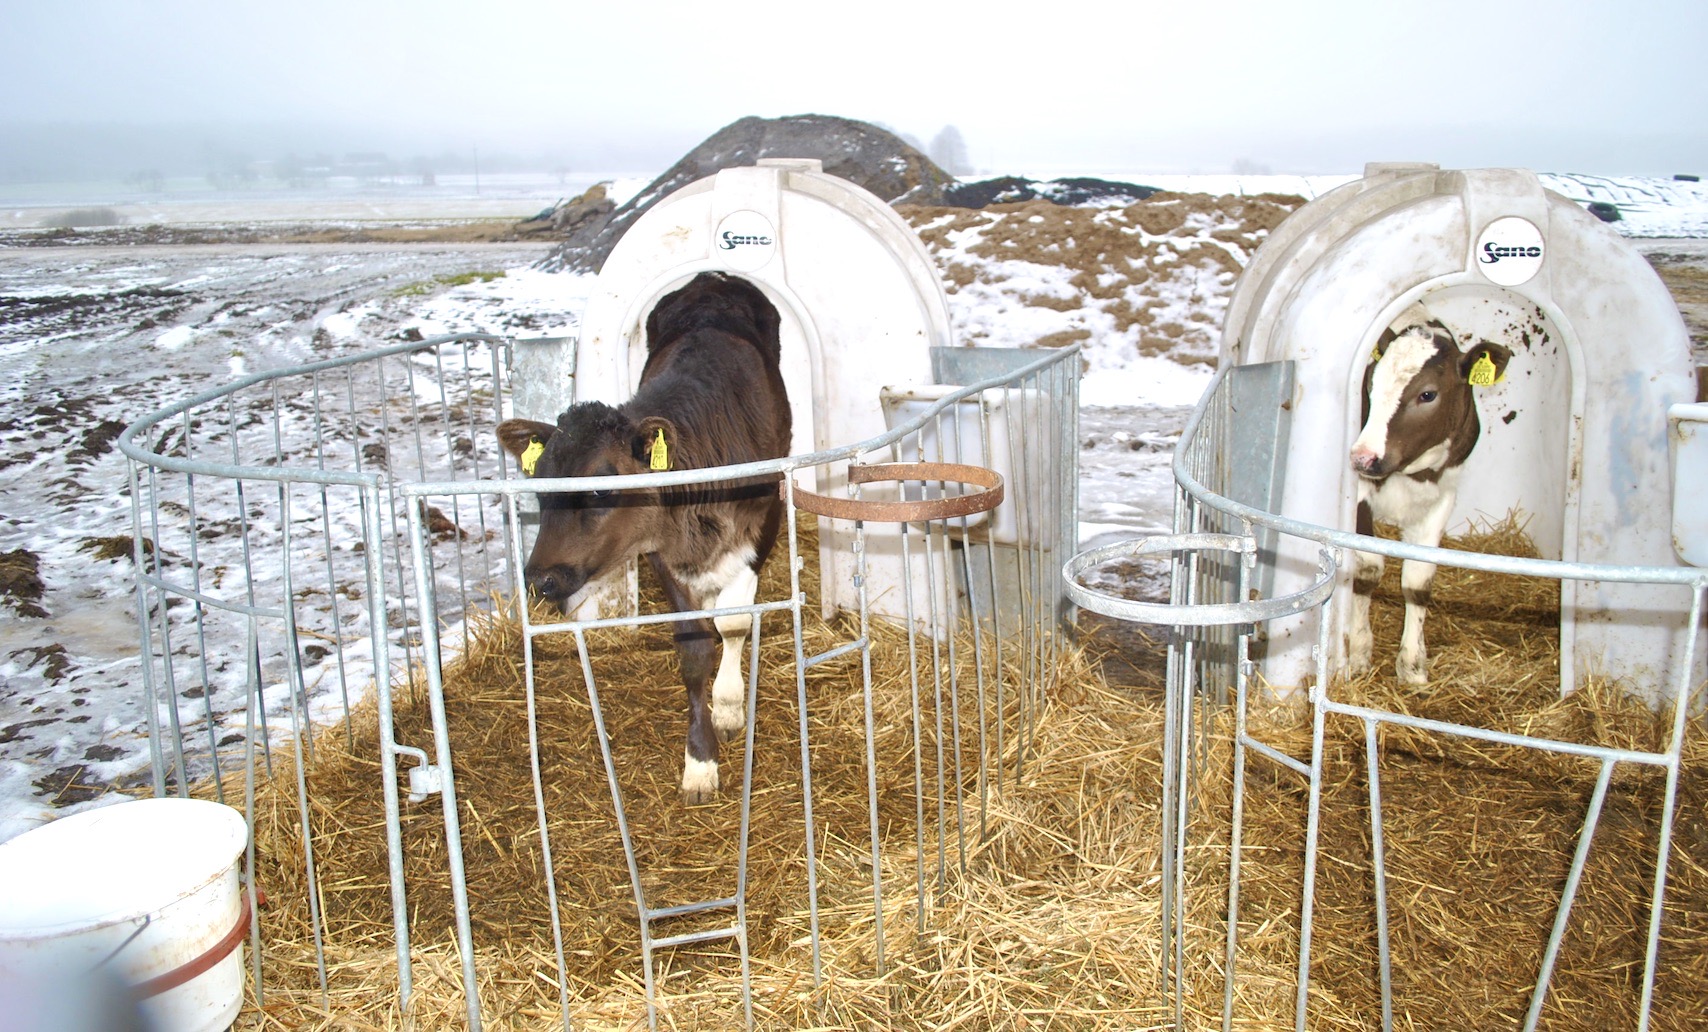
[1426,397]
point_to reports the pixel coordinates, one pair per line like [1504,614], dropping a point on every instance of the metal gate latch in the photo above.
[425,780]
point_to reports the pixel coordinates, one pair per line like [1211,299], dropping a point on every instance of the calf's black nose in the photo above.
[557,583]
[548,583]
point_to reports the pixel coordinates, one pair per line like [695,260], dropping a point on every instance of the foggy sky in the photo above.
[1559,86]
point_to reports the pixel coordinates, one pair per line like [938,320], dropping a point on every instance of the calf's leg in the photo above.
[729,691]
[729,695]
[1412,664]
[694,645]
[1366,574]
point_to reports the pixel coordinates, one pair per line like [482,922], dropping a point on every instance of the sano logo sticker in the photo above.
[744,240]
[1510,251]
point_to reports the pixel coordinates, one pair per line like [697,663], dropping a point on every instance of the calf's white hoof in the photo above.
[729,722]
[1412,673]
[699,781]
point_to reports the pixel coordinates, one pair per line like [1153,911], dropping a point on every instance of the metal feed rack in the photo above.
[278,587]
[1226,487]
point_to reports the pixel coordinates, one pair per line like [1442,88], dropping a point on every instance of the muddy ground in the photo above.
[93,335]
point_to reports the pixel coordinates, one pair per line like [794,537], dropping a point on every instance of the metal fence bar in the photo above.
[1378,854]
[373,555]
[1669,810]
[798,597]
[536,777]
[1591,817]
[1236,844]
[331,573]
[448,787]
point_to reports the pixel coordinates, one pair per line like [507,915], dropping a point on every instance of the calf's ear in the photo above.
[522,436]
[1485,364]
[653,443]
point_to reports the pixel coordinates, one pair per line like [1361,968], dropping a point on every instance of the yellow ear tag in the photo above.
[531,456]
[1483,372]
[660,452]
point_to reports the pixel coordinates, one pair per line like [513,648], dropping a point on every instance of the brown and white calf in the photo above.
[1420,424]
[711,394]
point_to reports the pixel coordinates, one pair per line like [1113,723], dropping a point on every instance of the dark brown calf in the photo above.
[1420,424]
[711,394]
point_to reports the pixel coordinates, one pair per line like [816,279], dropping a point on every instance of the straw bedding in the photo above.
[1050,918]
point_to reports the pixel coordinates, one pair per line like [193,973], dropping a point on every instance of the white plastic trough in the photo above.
[861,306]
[1576,435]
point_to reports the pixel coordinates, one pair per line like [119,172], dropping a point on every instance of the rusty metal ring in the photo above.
[919,511]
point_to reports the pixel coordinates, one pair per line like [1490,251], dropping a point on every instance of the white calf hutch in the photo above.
[1574,437]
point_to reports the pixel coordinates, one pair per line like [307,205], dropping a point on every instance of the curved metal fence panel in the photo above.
[1227,532]
[318,546]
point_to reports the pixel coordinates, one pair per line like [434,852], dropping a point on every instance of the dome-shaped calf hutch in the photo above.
[881,453]
[1574,437]
[860,302]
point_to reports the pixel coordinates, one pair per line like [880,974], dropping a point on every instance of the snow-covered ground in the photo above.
[92,337]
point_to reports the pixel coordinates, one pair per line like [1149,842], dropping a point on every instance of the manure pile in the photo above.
[1050,918]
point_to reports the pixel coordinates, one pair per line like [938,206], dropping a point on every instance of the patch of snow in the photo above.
[175,338]
[344,325]
[1144,381]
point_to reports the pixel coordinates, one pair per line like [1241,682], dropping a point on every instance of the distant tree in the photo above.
[949,151]
[1248,167]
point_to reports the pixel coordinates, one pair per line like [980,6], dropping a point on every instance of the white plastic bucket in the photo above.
[143,893]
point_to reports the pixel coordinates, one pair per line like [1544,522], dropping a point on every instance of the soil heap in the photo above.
[863,154]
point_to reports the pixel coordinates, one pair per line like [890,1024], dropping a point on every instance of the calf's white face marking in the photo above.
[1393,386]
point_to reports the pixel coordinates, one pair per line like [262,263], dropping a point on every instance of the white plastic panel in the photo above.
[1690,482]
